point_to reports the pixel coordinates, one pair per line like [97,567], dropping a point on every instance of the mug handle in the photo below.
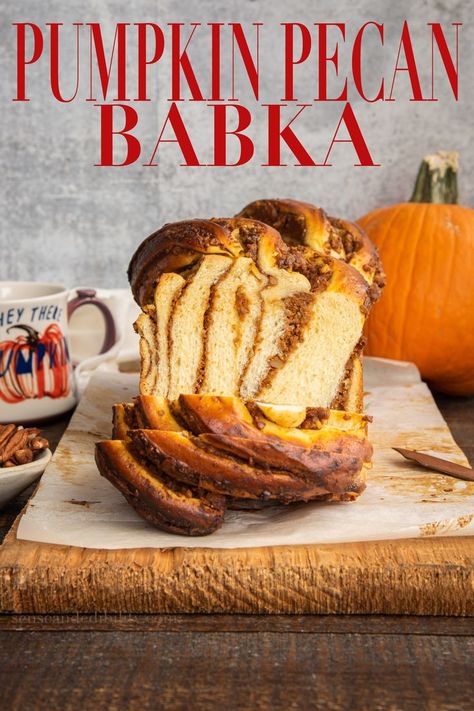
[89,296]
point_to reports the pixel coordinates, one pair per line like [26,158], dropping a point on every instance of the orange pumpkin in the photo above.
[426,312]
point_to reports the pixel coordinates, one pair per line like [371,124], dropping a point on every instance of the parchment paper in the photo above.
[75,506]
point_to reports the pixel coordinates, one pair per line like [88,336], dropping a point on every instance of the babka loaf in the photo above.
[251,376]
[233,307]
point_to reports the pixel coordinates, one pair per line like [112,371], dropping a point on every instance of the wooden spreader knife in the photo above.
[440,465]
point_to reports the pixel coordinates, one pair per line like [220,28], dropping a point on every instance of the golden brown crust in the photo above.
[173,248]
[188,459]
[332,463]
[124,418]
[231,416]
[234,449]
[178,246]
[297,222]
[249,234]
[228,424]
[362,253]
[301,223]
[154,413]
[161,501]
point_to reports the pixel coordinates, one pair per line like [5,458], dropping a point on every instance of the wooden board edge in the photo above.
[416,577]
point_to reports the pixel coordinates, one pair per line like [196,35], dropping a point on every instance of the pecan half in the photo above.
[19,445]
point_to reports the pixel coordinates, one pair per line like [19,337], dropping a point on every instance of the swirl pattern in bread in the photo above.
[231,308]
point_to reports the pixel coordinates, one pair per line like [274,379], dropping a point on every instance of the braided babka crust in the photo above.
[302,223]
[182,462]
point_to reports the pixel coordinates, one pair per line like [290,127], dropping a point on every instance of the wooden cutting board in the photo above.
[415,576]
[423,576]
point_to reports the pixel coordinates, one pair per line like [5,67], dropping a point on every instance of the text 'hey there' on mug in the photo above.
[36,372]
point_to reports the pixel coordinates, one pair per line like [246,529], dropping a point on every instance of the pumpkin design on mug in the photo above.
[35,365]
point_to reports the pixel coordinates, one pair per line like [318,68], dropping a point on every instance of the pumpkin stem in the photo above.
[33,335]
[437,180]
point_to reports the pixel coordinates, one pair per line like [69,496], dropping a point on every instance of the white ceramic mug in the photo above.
[36,372]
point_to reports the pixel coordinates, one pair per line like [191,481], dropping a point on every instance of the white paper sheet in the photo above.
[75,506]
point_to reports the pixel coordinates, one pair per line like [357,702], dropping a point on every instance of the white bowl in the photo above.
[13,480]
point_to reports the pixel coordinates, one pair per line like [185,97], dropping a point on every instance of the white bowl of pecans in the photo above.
[24,455]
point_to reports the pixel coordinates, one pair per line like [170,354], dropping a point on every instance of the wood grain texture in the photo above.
[420,577]
[243,670]
[386,625]
[423,576]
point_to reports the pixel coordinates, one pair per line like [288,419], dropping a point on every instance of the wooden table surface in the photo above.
[239,661]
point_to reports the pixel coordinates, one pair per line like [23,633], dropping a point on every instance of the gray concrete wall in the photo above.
[64,219]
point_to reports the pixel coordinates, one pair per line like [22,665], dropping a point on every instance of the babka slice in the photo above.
[187,327]
[286,293]
[159,499]
[145,326]
[168,289]
[232,321]
[321,337]
[152,326]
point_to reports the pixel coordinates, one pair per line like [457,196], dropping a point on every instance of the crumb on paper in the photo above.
[431,529]
[436,527]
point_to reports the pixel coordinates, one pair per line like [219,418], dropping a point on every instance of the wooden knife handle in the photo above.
[440,465]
